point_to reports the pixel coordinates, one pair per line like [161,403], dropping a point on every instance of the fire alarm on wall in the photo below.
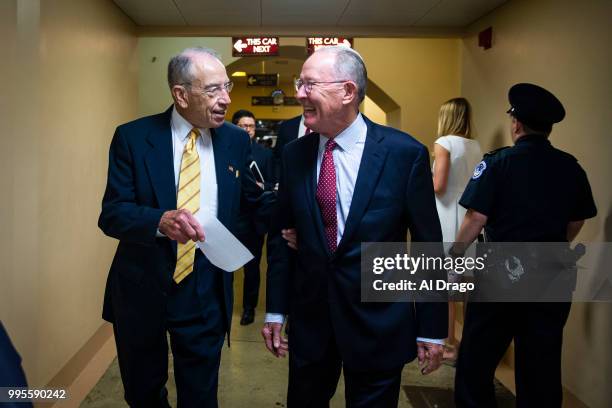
[485,38]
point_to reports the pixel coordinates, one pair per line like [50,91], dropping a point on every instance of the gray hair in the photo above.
[349,65]
[180,66]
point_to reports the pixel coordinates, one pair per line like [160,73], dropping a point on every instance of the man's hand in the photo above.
[181,226]
[275,342]
[429,356]
[291,237]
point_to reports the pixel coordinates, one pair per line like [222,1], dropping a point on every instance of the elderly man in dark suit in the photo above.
[163,170]
[349,181]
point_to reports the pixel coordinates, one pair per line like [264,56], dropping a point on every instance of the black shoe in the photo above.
[248,317]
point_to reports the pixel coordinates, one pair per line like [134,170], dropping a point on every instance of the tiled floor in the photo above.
[251,377]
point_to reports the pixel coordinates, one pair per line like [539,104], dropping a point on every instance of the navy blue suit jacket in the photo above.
[263,157]
[321,291]
[139,190]
[248,224]
[287,132]
[11,372]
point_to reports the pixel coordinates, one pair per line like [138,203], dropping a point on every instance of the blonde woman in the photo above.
[455,156]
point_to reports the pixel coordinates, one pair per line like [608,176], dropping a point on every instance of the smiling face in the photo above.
[200,108]
[328,108]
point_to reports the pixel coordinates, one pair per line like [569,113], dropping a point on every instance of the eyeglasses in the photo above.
[214,91]
[308,85]
[247,126]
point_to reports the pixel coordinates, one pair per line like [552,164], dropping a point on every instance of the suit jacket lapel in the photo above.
[160,163]
[311,151]
[295,129]
[225,170]
[372,161]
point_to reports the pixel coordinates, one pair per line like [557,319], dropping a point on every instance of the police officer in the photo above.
[530,192]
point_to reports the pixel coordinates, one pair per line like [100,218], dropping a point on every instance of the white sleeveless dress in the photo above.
[465,154]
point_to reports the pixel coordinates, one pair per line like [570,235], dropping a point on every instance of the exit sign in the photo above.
[314,43]
[254,46]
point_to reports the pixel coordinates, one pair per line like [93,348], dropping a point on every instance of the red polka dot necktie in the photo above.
[326,195]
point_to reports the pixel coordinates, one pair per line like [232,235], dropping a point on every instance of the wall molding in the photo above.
[83,371]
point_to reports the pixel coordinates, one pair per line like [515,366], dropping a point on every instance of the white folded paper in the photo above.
[221,247]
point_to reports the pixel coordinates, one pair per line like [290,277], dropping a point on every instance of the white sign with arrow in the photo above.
[239,45]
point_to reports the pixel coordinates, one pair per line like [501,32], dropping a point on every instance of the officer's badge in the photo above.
[480,168]
[515,269]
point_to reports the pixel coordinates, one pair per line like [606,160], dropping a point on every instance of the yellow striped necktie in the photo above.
[188,197]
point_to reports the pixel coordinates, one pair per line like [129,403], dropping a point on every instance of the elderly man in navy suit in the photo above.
[163,171]
[349,181]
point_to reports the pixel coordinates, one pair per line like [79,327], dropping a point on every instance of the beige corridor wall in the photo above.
[154,54]
[418,74]
[8,36]
[563,46]
[373,111]
[73,78]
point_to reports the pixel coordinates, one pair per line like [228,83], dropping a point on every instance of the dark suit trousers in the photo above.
[254,242]
[196,330]
[312,385]
[537,330]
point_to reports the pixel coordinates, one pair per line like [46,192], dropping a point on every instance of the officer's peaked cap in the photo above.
[535,106]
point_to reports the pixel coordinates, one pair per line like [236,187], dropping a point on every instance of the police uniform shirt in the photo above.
[529,192]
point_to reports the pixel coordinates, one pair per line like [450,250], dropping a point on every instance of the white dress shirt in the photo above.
[301,128]
[208,176]
[347,159]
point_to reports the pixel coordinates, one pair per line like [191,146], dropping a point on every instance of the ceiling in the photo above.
[286,17]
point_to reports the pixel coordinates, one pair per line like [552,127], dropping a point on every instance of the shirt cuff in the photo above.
[434,341]
[158,234]
[274,318]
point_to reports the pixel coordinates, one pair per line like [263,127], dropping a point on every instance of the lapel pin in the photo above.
[237,173]
[231,168]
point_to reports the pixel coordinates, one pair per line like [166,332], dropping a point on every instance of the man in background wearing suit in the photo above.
[250,231]
[163,170]
[349,181]
[288,131]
